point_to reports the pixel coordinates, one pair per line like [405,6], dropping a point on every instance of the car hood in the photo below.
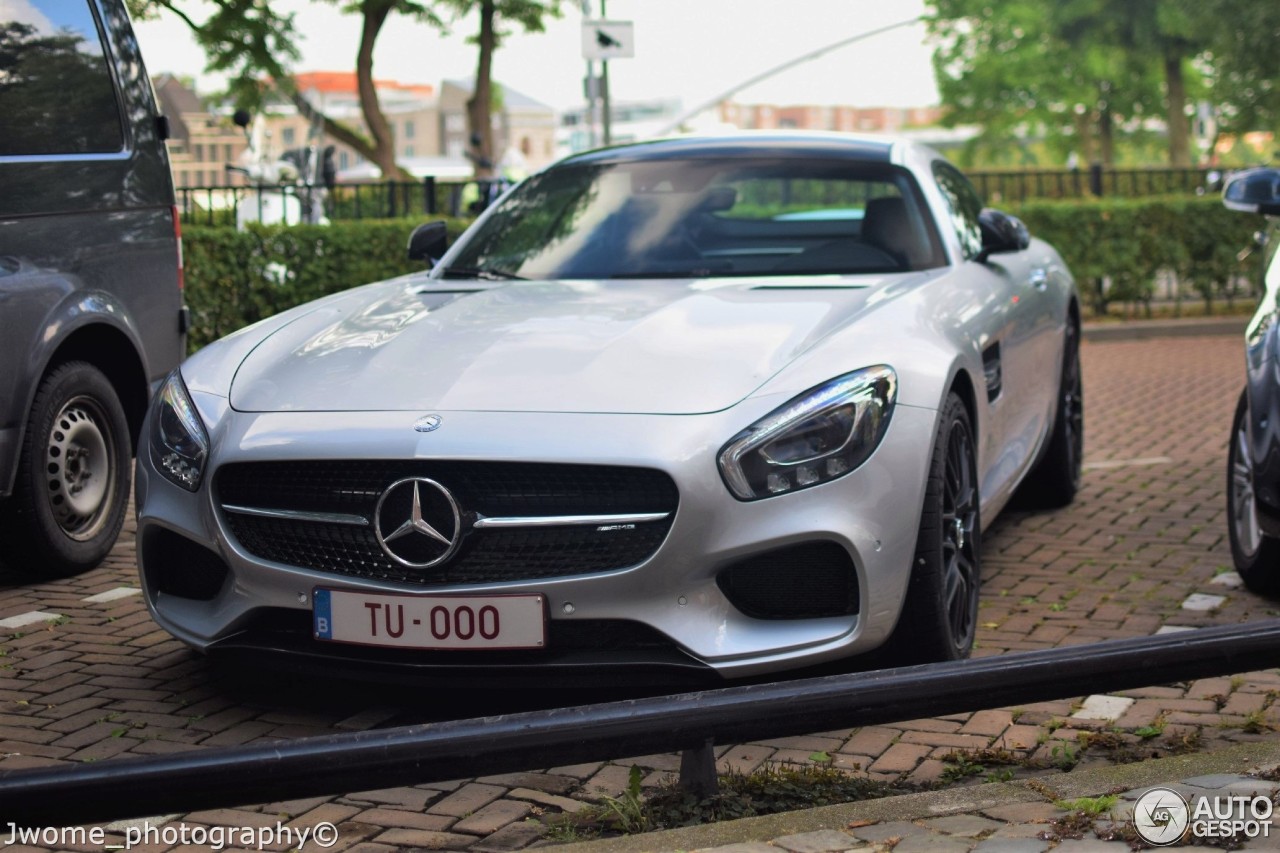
[653,346]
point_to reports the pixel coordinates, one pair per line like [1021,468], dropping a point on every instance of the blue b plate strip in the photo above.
[323,620]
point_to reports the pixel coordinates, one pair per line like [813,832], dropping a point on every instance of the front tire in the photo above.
[72,485]
[1256,555]
[940,612]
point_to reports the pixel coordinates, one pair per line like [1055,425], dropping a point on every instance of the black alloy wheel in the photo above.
[961,576]
[1256,555]
[1056,478]
[940,611]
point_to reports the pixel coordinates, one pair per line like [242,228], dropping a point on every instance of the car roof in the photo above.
[750,144]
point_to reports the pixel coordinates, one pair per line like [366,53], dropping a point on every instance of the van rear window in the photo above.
[56,92]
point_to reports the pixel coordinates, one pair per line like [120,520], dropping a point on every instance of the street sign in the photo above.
[608,40]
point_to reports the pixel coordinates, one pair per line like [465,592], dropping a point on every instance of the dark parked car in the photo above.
[90,276]
[1253,461]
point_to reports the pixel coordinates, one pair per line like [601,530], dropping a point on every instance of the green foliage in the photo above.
[771,789]
[1059,70]
[626,813]
[234,278]
[244,39]
[1129,241]
[1084,74]
[1092,806]
[1064,756]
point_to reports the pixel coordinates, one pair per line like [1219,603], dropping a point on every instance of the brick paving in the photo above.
[91,677]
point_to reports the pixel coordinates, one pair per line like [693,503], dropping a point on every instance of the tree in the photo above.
[1156,33]
[530,15]
[1243,62]
[1075,70]
[248,41]
[1008,66]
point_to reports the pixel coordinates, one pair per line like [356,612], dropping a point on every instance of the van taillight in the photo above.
[177,233]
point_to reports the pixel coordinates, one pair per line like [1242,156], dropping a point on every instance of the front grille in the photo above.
[491,489]
[806,581]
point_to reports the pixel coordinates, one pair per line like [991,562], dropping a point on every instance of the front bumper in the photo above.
[689,625]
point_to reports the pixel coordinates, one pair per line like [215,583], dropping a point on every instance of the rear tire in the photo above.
[1055,480]
[940,612]
[72,484]
[1256,555]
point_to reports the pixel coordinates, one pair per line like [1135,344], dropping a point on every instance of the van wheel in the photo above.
[72,484]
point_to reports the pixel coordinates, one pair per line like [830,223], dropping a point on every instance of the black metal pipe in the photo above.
[341,763]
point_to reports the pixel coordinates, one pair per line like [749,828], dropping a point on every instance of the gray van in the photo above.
[91,311]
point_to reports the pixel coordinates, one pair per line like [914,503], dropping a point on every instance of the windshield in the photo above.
[691,218]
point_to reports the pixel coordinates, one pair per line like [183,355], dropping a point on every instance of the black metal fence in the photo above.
[334,764]
[1095,181]
[218,205]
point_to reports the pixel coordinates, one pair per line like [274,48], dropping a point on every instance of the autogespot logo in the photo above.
[1161,816]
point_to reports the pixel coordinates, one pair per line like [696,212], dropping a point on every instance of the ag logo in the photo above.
[1160,816]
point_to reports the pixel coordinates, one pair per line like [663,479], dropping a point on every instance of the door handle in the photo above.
[1039,279]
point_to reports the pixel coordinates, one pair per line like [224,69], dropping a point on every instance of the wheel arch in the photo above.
[111,351]
[962,385]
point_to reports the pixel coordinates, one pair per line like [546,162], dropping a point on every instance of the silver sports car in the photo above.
[720,406]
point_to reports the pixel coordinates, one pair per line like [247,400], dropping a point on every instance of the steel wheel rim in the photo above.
[1244,507]
[959,534]
[80,468]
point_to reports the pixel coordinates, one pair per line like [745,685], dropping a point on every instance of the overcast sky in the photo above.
[687,49]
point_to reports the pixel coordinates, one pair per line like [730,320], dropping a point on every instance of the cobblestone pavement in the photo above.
[85,675]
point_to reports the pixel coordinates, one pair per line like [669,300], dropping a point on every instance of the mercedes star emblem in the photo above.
[428,423]
[417,522]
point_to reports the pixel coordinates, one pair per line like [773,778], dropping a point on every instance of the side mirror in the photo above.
[1001,232]
[428,242]
[1254,191]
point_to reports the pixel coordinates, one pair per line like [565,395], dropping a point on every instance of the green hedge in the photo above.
[1127,242]
[234,278]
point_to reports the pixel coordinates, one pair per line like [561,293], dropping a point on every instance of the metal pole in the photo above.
[356,761]
[777,69]
[605,108]
[591,87]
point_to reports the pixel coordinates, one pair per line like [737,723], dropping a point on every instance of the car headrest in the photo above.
[887,224]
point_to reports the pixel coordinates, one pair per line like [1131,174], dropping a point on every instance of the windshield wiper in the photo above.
[476,272]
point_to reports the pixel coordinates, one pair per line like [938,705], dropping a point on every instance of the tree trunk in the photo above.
[375,14]
[1179,127]
[338,131]
[1084,138]
[1106,136]
[479,106]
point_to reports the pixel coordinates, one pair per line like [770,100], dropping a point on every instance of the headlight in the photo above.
[179,444]
[823,434]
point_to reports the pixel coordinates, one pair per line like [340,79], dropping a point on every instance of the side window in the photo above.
[56,93]
[964,205]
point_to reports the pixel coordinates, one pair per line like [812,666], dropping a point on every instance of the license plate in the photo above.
[430,621]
